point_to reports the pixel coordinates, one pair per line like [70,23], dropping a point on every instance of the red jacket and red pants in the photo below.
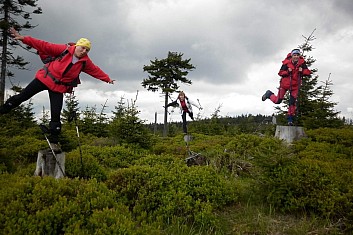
[290,81]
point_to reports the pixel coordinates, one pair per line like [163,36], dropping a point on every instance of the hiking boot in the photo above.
[267,95]
[55,147]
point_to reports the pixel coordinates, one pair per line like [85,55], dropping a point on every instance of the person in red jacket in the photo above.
[57,77]
[291,72]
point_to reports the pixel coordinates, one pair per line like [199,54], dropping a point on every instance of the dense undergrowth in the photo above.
[246,184]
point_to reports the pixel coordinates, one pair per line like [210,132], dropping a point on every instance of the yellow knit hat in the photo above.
[84,42]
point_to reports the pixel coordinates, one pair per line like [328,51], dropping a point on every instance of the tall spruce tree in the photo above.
[14,13]
[72,109]
[322,113]
[127,127]
[93,122]
[165,75]
[119,109]
[89,119]
[312,96]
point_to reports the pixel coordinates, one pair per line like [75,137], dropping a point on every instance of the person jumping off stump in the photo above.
[291,72]
[185,105]
[57,77]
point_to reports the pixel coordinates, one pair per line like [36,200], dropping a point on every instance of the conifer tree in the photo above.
[45,118]
[12,12]
[322,113]
[119,109]
[127,127]
[102,122]
[23,115]
[89,119]
[72,109]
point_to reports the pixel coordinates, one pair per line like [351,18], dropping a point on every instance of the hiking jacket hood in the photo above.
[60,68]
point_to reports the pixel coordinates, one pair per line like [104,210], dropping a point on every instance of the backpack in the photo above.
[46,59]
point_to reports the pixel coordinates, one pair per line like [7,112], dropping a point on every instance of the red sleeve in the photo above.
[95,71]
[44,47]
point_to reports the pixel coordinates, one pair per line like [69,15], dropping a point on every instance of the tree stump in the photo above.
[47,165]
[290,133]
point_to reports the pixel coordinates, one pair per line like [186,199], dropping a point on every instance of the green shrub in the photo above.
[153,160]
[334,136]
[315,177]
[114,157]
[247,154]
[305,186]
[199,143]
[47,206]
[115,220]
[174,193]
[70,141]
[24,146]
[84,166]
[170,145]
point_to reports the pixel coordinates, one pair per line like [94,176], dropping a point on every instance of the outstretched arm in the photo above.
[174,103]
[96,72]
[194,104]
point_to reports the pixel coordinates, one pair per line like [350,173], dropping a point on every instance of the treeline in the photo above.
[220,125]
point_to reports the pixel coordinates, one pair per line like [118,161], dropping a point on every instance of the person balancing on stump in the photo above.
[292,69]
[57,77]
[185,105]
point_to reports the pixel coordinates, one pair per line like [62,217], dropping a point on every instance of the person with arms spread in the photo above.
[57,77]
[185,105]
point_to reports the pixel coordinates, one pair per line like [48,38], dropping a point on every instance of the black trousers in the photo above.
[183,116]
[56,104]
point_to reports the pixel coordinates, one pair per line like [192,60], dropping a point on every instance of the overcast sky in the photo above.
[236,46]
